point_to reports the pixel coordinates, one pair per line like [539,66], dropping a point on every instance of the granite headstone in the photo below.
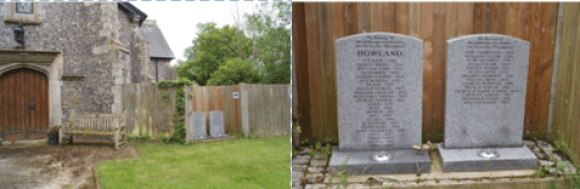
[484,104]
[216,124]
[198,132]
[379,87]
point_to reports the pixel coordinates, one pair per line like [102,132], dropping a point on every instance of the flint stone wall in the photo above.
[97,40]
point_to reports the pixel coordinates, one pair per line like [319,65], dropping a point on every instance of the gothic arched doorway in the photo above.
[23,104]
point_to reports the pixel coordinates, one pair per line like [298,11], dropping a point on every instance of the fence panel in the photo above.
[233,120]
[268,109]
[317,25]
[150,109]
[566,122]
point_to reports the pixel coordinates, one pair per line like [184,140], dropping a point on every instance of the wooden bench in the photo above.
[95,125]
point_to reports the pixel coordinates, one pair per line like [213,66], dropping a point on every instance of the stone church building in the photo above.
[61,57]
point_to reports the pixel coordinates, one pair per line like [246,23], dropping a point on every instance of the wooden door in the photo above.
[23,104]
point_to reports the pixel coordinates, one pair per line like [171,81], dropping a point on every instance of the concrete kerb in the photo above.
[35,141]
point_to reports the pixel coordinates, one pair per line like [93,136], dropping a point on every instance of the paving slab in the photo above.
[299,168]
[436,172]
[468,159]
[400,162]
[299,161]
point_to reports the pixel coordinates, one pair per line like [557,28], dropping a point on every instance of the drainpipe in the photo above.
[156,71]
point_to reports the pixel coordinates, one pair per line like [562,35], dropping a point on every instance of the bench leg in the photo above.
[70,140]
[60,136]
[116,140]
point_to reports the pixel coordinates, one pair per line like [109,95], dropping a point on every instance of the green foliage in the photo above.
[169,83]
[178,136]
[327,140]
[233,72]
[270,32]
[318,146]
[312,153]
[326,151]
[265,45]
[52,131]
[211,49]
[571,179]
[342,173]
[165,95]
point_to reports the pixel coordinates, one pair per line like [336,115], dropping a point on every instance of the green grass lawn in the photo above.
[238,163]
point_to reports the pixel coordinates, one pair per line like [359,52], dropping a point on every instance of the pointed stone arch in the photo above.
[48,63]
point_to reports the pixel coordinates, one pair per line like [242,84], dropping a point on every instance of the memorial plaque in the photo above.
[486,91]
[216,124]
[485,101]
[380,87]
[199,127]
[379,83]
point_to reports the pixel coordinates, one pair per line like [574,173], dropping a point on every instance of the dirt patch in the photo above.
[47,166]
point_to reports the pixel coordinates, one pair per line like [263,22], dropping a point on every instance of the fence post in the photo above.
[244,109]
[188,111]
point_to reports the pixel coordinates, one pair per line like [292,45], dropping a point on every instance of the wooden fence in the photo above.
[566,114]
[206,99]
[317,25]
[150,109]
[259,110]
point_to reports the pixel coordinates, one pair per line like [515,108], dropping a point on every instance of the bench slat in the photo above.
[89,133]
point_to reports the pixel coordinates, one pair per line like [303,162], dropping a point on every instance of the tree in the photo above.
[270,31]
[211,49]
[233,72]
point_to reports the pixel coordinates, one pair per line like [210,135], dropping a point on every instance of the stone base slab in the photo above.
[461,160]
[210,139]
[221,136]
[400,161]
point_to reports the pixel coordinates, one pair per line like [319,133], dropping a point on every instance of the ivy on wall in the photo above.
[178,136]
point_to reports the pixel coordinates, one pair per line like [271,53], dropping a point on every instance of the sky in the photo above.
[178,20]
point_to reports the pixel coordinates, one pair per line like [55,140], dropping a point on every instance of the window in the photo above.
[25,7]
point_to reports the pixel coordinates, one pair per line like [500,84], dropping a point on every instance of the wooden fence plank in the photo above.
[574,104]
[428,80]
[377,22]
[498,18]
[350,15]
[326,65]
[314,70]
[574,101]
[538,128]
[402,18]
[337,28]
[563,129]
[566,70]
[464,19]
[478,17]
[415,19]
[439,42]
[299,52]
[524,15]
[535,49]
[363,17]
[512,20]
[389,17]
